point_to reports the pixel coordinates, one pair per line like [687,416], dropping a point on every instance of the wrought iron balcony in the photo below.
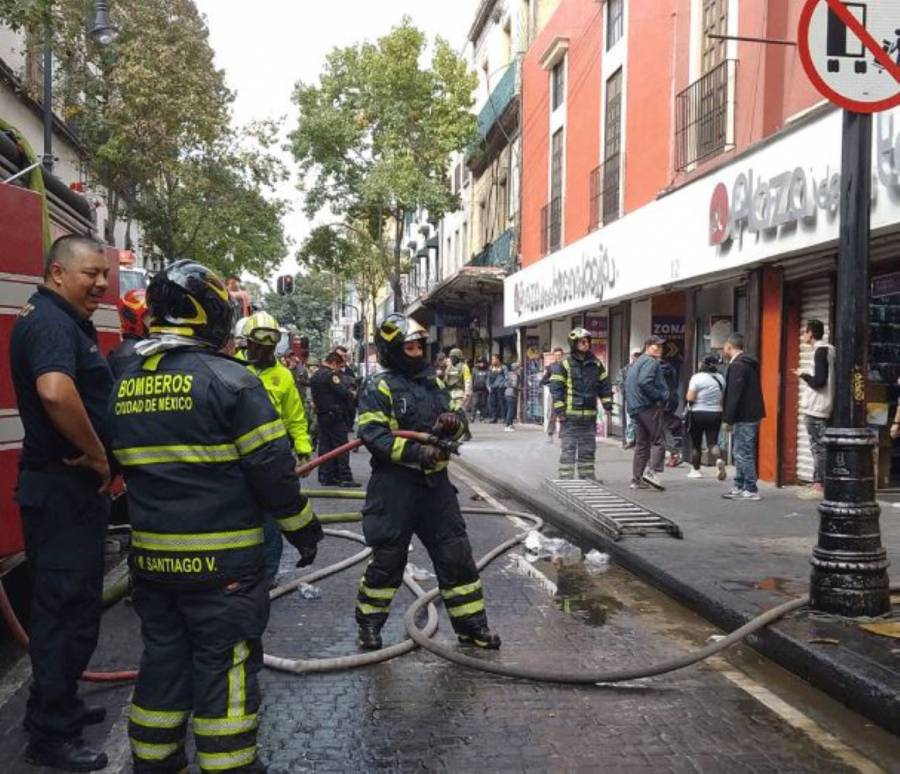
[605,188]
[506,90]
[498,253]
[551,226]
[704,115]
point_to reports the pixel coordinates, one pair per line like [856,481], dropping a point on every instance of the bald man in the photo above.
[63,384]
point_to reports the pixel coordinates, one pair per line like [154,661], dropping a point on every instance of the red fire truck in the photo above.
[21,270]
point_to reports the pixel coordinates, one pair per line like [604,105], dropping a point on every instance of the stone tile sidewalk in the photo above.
[736,559]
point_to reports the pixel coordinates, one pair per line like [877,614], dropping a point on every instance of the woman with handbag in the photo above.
[704,397]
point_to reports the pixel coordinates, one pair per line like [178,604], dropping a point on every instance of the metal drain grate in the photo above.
[612,514]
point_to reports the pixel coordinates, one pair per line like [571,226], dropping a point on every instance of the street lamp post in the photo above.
[103,32]
[849,575]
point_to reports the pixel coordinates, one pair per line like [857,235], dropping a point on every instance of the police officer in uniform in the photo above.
[132,323]
[410,492]
[332,397]
[206,459]
[62,385]
[577,384]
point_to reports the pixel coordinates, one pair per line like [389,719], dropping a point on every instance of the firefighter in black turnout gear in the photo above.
[577,384]
[334,403]
[205,458]
[410,491]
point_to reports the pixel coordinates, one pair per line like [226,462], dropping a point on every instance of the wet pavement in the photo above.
[418,713]
[736,559]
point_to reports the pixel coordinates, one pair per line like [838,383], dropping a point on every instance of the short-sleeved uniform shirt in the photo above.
[50,337]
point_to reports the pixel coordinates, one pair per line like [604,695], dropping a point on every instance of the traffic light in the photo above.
[285,285]
[359,330]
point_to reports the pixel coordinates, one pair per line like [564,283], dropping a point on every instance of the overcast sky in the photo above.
[266,46]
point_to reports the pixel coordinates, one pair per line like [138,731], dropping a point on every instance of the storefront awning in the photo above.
[469,287]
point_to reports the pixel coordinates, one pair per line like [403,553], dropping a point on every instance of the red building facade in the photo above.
[678,180]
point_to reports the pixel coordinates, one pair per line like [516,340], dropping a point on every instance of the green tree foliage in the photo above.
[308,309]
[153,112]
[218,207]
[349,252]
[375,135]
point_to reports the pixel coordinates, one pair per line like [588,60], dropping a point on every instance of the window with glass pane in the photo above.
[715,22]
[615,22]
[559,83]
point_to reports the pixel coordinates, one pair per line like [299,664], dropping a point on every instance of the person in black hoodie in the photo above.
[743,409]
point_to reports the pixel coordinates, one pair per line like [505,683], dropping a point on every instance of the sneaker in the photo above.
[749,496]
[636,484]
[695,473]
[652,479]
[734,494]
[812,492]
[721,474]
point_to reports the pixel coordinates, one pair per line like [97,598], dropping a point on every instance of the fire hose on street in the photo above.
[423,635]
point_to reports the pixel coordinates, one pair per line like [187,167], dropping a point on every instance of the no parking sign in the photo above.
[851,52]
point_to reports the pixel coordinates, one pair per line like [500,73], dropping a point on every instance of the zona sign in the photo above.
[851,52]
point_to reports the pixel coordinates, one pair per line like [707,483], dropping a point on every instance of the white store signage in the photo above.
[778,200]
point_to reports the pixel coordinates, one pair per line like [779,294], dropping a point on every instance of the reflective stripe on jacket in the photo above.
[392,401]
[205,458]
[576,385]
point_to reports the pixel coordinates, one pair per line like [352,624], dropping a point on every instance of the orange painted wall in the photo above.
[771,87]
[580,21]
[771,336]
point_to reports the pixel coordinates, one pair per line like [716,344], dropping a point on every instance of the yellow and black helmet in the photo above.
[394,331]
[188,299]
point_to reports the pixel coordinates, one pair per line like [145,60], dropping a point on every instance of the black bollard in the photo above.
[849,575]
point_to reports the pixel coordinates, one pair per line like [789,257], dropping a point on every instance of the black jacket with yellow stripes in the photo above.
[394,401]
[205,457]
[577,383]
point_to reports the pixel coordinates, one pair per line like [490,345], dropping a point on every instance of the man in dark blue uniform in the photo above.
[62,384]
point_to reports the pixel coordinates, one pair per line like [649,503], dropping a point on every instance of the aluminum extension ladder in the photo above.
[611,514]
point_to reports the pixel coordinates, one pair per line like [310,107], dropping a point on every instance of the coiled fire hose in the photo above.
[423,636]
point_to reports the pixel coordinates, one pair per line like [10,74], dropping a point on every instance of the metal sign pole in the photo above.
[849,575]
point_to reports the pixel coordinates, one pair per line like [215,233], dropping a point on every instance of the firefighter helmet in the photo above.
[188,299]
[577,335]
[393,332]
[133,313]
[262,328]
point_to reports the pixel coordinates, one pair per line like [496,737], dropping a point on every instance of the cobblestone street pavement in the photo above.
[418,713]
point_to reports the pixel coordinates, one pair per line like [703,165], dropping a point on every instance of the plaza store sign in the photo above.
[581,281]
[757,203]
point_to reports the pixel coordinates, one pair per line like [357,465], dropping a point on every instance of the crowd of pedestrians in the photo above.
[720,409]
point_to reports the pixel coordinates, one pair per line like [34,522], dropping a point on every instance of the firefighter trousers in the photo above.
[400,503]
[202,655]
[578,447]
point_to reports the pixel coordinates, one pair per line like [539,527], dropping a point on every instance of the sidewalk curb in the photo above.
[825,670]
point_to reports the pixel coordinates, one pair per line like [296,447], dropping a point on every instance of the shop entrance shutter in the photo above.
[815,304]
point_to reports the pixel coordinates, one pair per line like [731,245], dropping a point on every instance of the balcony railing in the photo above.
[506,90]
[551,226]
[498,253]
[703,116]
[605,188]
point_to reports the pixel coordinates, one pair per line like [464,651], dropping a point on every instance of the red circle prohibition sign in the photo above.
[854,28]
